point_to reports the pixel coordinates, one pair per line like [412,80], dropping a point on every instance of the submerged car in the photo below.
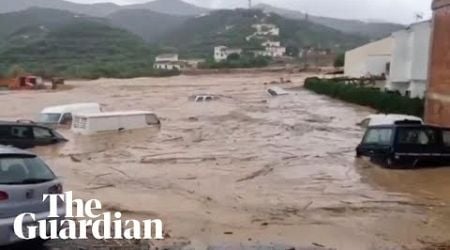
[27,135]
[406,145]
[388,119]
[62,115]
[24,179]
[93,123]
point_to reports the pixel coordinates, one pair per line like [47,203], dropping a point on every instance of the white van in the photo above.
[62,115]
[88,124]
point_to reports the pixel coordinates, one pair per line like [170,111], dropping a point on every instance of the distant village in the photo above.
[271,47]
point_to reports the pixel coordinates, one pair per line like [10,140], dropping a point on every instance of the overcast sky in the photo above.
[402,11]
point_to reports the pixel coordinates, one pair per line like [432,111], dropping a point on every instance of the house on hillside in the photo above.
[265,29]
[167,58]
[271,49]
[221,53]
[168,62]
[410,59]
[372,59]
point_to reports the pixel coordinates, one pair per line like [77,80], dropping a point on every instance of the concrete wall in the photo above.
[409,63]
[360,61]
[437,110]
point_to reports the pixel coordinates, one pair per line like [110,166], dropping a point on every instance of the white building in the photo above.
[271,44]
[271,49]
[167,62]
[168,65]
[221,53]
[167,58]
[264,29]
[410,58]
[369,60]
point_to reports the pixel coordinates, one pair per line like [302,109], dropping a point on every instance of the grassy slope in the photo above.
[198,36]
[84,49]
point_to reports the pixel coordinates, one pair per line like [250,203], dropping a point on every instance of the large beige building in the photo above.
[369,60]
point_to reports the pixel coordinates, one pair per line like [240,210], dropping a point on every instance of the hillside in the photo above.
[372,30]
[198,36]
[99,9]
[173,7]
[48,18]
[81,48]
[149,25]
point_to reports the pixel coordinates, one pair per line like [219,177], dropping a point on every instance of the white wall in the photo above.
[410,59]
[366,59]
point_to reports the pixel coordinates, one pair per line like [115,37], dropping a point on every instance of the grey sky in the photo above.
[402,11]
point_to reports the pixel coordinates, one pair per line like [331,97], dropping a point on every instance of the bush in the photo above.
[339,61]
[371,97]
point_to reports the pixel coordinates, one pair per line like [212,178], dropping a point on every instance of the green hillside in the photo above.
[149,25]
[82,49]
[198,36]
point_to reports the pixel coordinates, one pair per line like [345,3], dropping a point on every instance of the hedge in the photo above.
[389,103]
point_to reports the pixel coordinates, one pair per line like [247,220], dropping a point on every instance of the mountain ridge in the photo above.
[372,30]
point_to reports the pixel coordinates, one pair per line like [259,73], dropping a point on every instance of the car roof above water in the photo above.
[70,107]
[18,123]
[406,125]
[8,150]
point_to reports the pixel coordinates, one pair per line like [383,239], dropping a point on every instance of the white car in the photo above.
[388,119]
[62,115]
[24,178]
[93,123]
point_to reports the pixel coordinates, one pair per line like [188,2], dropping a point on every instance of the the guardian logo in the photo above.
[62,223]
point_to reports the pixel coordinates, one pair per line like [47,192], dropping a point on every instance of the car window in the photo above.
[446,137]
[67,118]
[50,118]
[378,136]
[417,136]
[21,132]
[42,133]
[5,132]
[151,119]
[15,170]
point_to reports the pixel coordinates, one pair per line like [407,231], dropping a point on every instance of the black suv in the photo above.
[27,135]
[406,145]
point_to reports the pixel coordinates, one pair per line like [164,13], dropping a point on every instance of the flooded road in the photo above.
[247,168]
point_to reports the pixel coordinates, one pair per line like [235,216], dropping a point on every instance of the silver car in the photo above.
[24,178]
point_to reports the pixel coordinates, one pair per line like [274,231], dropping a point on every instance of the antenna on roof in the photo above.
[249,4]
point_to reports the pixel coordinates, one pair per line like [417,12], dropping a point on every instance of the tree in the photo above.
[233,57]
[16,71]
[339,61]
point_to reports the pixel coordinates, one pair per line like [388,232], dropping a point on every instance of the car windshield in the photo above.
[24,170]
[49,118]
[378,136]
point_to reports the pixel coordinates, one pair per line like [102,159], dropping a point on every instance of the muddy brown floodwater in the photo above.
[247,168]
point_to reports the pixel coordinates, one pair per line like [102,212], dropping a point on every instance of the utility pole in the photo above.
[249,4]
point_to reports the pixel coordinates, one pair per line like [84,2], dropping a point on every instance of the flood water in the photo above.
[246,168]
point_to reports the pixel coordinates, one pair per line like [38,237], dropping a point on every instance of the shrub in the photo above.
[339,61]
[371,97]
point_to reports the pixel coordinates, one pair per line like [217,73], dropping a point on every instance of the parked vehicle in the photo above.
[388,119]
[62,115]
[406,145]
[93,123]
[27,135]
[24,178]
[277,91]
[205,98]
